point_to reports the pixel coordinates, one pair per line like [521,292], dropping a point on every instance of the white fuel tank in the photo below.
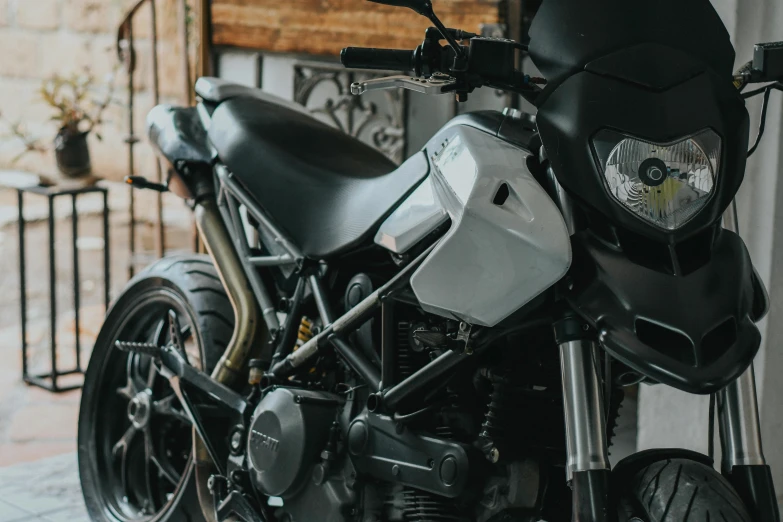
[507,243]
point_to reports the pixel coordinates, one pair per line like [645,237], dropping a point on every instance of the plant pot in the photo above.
[72,153]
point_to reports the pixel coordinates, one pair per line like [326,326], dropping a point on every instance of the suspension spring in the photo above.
[500,410]
[305,332]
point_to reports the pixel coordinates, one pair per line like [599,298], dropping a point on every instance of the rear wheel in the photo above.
[681,490]
[134,439]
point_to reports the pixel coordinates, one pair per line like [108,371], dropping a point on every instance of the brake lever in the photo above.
[438,83]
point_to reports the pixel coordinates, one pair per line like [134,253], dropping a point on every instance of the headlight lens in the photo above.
[666,184]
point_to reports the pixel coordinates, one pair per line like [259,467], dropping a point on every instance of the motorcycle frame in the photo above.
[588,468]
[230,196]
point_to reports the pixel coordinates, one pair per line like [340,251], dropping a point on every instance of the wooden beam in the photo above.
[323,27]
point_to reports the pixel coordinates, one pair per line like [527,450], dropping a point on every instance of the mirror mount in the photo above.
[424,8]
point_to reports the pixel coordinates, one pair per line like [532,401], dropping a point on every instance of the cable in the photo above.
[711,430]
[407,417]
[762,124]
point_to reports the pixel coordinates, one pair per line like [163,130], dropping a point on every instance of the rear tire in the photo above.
[681,490]
[120,483]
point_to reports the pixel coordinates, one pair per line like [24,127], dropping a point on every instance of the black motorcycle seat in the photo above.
[327,190]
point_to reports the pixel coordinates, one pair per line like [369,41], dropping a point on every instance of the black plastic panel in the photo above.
[663,325]
[649,65]
[380,449]
[179,135]
[568,34]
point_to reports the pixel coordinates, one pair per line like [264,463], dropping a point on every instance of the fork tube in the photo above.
[738,410]
[743,461]
[587,467]
[740,432]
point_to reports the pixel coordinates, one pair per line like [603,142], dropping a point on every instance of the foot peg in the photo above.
[140,348]
[175,341]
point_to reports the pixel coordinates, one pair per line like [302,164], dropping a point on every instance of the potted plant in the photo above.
[78,112]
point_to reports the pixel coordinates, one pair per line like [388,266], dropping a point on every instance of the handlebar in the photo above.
[383,59]
[439,69]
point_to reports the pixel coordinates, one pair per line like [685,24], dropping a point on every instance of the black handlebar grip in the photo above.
[369,58]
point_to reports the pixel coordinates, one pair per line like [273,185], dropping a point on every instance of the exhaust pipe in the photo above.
[250,331]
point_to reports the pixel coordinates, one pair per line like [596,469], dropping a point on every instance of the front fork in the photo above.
[743,462]
[588,466]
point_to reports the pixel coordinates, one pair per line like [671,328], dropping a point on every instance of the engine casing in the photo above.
[288,431]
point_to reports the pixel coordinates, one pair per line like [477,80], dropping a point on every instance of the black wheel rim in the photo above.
[143,437]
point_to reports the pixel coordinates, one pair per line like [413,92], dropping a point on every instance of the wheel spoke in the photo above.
[152,374]
[166,407]
[136,371]
[159,339]
[120,450]
[147,463]
[166,472]
[149,455]
[186,333]
[129,390]
[160,332]
[124,443]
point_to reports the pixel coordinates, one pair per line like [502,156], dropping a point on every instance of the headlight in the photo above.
[666,184]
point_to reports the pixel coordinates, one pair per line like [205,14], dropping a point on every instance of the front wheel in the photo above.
[134,438]
[681,490]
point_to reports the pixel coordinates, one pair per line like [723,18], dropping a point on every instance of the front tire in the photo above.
[681,490]
[134,439]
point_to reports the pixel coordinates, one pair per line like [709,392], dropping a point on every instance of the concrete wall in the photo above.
[40,38]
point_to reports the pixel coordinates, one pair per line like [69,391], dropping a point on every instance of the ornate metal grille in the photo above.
[378,118]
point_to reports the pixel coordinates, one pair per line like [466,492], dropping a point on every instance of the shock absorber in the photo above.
[495,426]
[305,332]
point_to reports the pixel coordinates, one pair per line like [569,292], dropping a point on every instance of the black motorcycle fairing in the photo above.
[588,102]
[694,332]
[177,132]
[180,137]
[566,34]
[652,66]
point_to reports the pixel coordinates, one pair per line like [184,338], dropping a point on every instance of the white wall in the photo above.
[668,418]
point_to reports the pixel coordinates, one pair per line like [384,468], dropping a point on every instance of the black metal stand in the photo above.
[48,381]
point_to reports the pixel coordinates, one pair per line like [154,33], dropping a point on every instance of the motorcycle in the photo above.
[448,340]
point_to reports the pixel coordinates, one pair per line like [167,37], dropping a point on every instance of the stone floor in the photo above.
[46,490]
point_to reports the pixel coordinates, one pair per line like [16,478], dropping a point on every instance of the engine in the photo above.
[292,452]
[475,448]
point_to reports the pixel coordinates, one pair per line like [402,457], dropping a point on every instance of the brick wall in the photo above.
[39,38]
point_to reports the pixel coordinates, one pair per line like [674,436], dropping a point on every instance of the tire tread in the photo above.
[196,280]
[681,490]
